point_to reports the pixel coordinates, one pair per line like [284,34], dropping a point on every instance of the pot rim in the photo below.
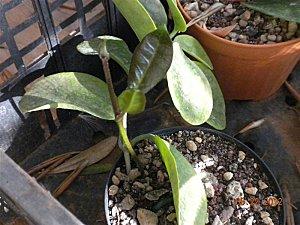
[235,44]
[165,131]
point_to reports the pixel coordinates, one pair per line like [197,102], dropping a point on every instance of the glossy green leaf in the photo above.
[188,190]
[116,47]
[132,101]
[189,88]
[217,118]
[70,90]
[192,46]
[156,11]
[137,17]
[285,9]
[151,61]
[179,22]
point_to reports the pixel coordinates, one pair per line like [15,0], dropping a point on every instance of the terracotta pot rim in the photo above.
[236,44]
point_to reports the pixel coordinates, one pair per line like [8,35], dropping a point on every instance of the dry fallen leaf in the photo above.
[92,155]
[67,182]
[293,91]
[49,162]
[208,12]
[223,31]
[251,126]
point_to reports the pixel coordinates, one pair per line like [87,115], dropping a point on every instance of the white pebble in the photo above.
[198,139]
[227,176]
[246,205]
[113,190]
[115,180]
[268,221]
[251,190]
[242,156]
[264,214]
[249,221]
[262,185]
[6,210]
[272,37]
[209,189]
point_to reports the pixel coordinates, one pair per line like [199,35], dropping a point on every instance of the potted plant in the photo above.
[257,53]
[153,59]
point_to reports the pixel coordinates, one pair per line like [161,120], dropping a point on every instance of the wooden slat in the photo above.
[30,198]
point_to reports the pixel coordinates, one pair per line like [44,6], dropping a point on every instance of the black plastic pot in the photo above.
[239,144]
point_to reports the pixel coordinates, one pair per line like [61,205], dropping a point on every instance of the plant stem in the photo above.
[113,97]
[173,34]
[119,117]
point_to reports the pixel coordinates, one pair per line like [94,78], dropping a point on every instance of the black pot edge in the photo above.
[241,145]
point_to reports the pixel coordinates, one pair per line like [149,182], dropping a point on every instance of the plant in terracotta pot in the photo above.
[253,45]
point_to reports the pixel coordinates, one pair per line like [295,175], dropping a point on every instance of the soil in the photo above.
[238,190]
[251,27]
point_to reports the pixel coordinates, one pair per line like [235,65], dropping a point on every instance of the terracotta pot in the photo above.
[244,71]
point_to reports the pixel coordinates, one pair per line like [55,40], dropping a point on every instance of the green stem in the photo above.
[125,139]
[173,34]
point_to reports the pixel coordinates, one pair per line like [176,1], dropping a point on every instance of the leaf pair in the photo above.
[193,87]
[150,63]
[145,16]
[188,190]
[79,91]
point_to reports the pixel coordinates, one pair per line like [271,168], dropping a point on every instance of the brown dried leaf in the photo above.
[67,182]
[252,125]
[293,91]
[49,162]
[92,155]
[223,31]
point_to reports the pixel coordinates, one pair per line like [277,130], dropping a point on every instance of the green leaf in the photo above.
[192,46]
[132,101]
[188,190]
[179,22]
[116,47]
[137,17]
[217,118]
[70,90]
[151,61]
[285,9]
[189,88]
[156,11]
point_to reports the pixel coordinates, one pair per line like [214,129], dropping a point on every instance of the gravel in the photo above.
[253,27]
[235,184]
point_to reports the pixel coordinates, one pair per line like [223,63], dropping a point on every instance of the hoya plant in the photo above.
[86,93]
[193,88]
[159,55]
